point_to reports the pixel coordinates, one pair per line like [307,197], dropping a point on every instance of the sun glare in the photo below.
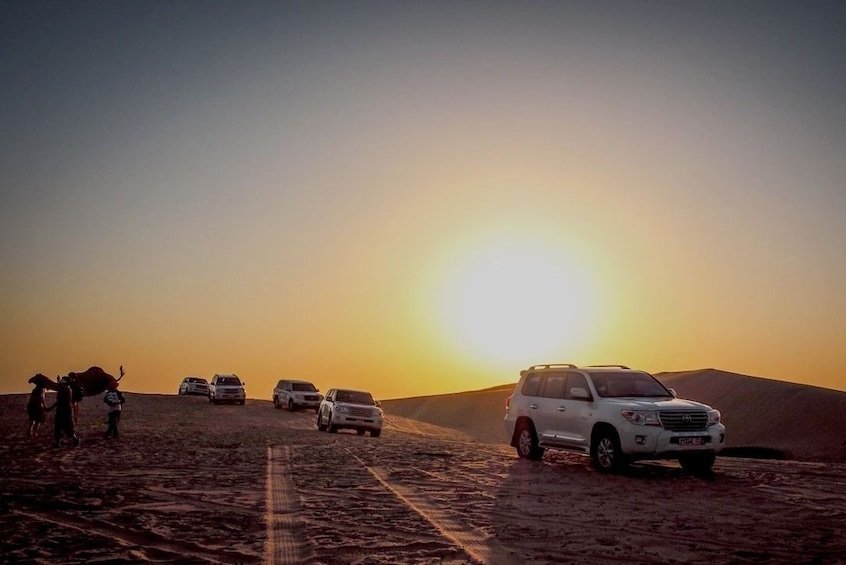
[519,303]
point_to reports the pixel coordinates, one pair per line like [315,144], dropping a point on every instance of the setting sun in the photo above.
[518,302]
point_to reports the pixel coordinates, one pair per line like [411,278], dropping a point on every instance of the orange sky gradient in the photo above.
[423,200]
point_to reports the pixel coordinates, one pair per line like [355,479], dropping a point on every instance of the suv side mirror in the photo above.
[378,403]
[673,392]
[579,393]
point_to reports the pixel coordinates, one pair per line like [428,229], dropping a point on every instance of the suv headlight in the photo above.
[342,409]
[641,417]
[713,417]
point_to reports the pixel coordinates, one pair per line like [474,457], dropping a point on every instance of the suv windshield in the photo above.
[354,397]
[303,387]
[231,381]
[628,384]
[196,380]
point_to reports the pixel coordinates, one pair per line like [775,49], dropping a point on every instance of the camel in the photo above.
[92,381]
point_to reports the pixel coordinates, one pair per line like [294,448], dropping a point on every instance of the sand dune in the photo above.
[762,416]
[191,482]
[801,421]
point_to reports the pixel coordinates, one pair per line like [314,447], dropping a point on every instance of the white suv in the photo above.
[226,388]
[295,394]
[612,413]
[350,409]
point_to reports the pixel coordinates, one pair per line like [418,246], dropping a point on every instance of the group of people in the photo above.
[68,396]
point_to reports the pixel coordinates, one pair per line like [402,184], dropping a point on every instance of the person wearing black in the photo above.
[76,398]
[63,420]
[36,409]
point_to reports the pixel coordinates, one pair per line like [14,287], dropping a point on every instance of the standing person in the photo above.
[114,400]
[63,420]
[36,409]
[76,397]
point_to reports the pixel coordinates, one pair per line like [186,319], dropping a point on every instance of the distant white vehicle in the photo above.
[350,409]
[611,413]
[293,394]
[194,385]
[226,388]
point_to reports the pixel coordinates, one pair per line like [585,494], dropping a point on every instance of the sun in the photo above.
[518,302]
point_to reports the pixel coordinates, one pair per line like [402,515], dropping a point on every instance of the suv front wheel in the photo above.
[526,442]
[605,451]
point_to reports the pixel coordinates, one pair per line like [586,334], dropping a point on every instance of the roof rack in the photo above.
[552,366]
[610,366]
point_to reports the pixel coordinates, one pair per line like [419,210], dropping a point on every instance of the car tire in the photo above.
[330,426]
[605,452]
[241,402]
[276,402]
[320,426]
[360,432]
[375,433]
[697,463]
[290,405]
[526,442]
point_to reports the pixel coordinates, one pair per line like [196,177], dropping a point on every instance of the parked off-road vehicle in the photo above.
[226,388]
[611,413]
[349,409]
[294,394]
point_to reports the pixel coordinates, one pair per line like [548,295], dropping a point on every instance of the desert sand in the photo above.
[193,482]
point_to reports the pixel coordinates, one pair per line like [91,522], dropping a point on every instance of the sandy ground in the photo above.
[191,482]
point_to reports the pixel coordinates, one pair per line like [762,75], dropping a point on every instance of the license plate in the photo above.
[687,441]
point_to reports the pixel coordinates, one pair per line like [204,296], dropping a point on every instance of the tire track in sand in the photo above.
[282,545]
[144,540]
[480,547]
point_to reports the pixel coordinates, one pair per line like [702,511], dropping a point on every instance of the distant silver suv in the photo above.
[349,409]
[294,394]
[611,413]
[226,388]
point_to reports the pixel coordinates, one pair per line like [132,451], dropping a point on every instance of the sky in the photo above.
[421,198]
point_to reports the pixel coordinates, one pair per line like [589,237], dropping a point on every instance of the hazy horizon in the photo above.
[421,198]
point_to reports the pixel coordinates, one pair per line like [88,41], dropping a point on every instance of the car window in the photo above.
[554,386]
[304,387]
[231,381]
[575,380]
[533,384]
[628,384]
[355,397]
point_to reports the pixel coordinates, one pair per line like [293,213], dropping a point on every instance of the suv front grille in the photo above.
[678,421]
[360,411]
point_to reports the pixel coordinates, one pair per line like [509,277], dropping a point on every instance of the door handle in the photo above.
[533,406]
[562,408]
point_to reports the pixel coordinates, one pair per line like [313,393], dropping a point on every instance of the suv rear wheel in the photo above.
[526,442]
[605,452]
[276,402]
[320,425]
